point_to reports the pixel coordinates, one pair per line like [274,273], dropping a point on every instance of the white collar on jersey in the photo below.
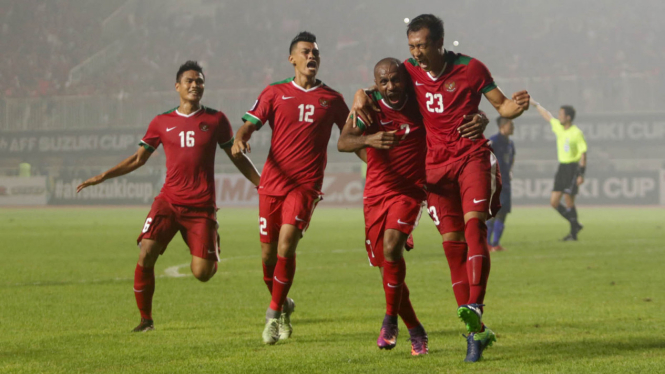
[190,114]
[445,64]
[306,90]
[393,108]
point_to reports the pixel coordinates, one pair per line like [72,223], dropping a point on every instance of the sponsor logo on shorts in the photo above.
[404,223]
[478,201]
[299,220]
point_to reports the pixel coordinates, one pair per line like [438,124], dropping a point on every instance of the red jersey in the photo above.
[445,100]
[400,170]
[301,122]
[190,142]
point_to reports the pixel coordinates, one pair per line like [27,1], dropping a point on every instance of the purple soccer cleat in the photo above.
[388,336]
[418,341]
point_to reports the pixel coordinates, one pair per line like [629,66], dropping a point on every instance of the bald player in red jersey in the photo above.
[190,135]
[463,180]
[394,192]
[301,112]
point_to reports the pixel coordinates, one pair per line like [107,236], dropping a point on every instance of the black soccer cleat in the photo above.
[569,238]
[145,326]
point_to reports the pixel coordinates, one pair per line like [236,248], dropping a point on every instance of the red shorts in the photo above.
[399,212]
[471,184]
[295,208]
[198,227]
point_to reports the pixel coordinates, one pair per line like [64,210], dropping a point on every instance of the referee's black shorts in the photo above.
[565,179]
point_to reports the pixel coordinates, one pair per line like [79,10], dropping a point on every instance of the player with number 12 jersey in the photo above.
[301,112]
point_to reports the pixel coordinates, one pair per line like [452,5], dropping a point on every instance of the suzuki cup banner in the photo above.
[125,190]
[22,191]
[599,188]
[616,130]
[99,142]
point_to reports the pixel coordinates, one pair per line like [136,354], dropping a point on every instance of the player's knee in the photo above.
[149,253]
[453,236]
[204,273]
[392,251]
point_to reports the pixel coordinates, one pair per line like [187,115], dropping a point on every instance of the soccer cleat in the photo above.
[476,342]
[271,331]
[472,316]
[497,248]
[418,341]
[569,238]
[285,328]
[145,326]
[388,336]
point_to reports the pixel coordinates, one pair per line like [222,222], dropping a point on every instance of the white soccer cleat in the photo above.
[271,331]
[285,328]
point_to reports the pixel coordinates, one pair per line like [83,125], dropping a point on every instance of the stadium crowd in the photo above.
[548,43]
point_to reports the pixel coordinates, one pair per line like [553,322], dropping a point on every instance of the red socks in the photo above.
[406,311]
[456,253]
[394,274]
[268,273]
[284,272]
[144,288]
[478,263]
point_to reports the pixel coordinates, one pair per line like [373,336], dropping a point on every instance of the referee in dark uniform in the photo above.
[571,151]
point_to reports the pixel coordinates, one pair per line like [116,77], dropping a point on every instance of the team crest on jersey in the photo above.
[203,127]
[450,86]
[324,103]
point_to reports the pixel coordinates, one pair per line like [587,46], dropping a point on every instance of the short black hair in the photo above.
[427,21]
[500,121]
[569,111]
[187,66]
[303,36]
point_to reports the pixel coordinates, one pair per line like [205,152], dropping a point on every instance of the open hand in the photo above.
[475,127]
[383,140]
[90,182]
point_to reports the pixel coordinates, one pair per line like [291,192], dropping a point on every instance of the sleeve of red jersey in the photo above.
[341,113]
[262,110]
[480,77]
[151,140]
[225,132]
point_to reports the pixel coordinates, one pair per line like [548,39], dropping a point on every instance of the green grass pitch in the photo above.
[66,301]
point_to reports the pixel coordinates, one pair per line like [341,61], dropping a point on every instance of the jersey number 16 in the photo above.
[186,139]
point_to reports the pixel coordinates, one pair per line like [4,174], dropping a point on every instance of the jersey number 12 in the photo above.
[306,112]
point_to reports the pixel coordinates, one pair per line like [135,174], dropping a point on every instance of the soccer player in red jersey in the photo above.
[394,192]
[190,135]
[463,180]
[301,112]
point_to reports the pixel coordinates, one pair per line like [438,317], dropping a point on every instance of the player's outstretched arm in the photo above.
[509,108]
[352,139]
[127,166]
[543,112]
[241,143]
[363,106]
[245,166]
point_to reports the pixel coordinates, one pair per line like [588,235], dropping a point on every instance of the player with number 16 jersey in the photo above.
[190,134]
